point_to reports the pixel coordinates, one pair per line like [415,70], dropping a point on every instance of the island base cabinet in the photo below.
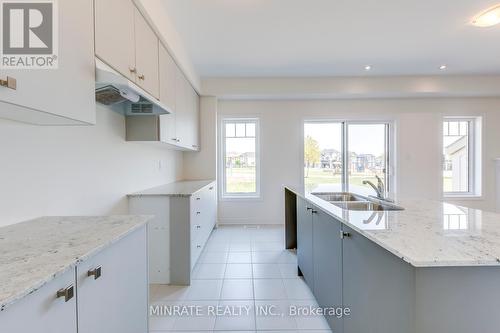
[378,288]
[43,311]
[113,288]
[305,241]
[458,299]
[327,252]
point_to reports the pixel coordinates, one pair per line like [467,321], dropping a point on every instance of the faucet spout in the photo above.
[377,189]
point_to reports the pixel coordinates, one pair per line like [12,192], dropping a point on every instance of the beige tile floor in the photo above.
[247,270]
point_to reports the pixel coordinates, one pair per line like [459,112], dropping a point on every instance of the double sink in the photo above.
[351,201]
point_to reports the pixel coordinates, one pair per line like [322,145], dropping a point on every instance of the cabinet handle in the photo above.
[344,234]
[198,226]
[314,211]
[211,188]
[141,77]
[67,293]
[198,246]
[197,198]
[96,272]
[132,70]
[308,208]
[198,213]
[10,83]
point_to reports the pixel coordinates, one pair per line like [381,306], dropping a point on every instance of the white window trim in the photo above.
[224,196]
[391,148]
[474,143]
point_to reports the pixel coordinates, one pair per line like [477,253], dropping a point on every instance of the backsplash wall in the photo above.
[78,170]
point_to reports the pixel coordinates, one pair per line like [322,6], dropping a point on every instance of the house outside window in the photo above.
[461,171]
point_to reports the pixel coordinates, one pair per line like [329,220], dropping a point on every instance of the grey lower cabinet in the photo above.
[305,240]
[377,287]
[345,269]
[327,254]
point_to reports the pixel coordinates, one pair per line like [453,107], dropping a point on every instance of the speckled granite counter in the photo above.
[427,233]
[34,252]
[177,189]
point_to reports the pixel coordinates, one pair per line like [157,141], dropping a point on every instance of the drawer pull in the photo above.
[211,188]
[67,293]
[198,246]
[10,83]
[142,77]
[96,272]
[198,213]
[198,227]
[198,198]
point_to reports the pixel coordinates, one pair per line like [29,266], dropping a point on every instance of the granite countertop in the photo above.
[183,188]
[34,252]
[426,233]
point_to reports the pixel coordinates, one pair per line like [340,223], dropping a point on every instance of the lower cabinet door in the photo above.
[378,287]
[113,288]
[44,311]
[305,241]
[327,253]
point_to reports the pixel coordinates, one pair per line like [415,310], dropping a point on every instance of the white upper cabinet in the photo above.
[62,96]
[114,35]
[168,69]
[146,56]
[127,43]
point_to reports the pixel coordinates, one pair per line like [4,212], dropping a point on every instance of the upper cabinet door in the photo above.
[194,119]
[62,96]
[167,78]
[146,55]
[114,35]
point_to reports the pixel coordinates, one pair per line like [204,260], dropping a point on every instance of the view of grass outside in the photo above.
[240,180]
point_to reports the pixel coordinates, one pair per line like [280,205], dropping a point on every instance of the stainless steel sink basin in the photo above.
[366,206]
[339,197]
[351,201]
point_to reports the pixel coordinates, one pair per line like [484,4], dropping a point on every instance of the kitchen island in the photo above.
[432,267]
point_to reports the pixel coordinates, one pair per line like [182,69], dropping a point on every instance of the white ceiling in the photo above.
[335,37]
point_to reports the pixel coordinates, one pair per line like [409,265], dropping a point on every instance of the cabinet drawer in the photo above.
[196,248]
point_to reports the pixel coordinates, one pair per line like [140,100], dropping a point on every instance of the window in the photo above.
[240,158]
[339,156]
[459,156]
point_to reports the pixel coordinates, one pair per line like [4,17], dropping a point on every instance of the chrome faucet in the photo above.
[379,189]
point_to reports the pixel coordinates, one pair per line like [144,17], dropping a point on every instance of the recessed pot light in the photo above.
[443,67]
[368,68]
[488,18]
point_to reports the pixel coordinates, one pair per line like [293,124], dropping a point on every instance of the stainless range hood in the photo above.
[114,89]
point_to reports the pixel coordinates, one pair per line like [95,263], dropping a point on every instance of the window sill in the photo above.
[241,198]
[462,197]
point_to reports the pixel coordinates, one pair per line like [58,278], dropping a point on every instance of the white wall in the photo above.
[76,170]
[418,149]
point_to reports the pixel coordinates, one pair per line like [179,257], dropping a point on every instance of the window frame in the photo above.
[224,195]
[390,147]
[473,140]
